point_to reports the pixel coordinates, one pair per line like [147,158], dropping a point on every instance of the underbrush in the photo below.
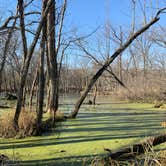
[156,98]
[148,159]
[27,124]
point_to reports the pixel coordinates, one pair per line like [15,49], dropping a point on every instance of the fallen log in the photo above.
[139,148]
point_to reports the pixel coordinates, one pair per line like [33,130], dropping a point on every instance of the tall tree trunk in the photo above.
[41,76]
[48,98]
[47,80]
[93,80]
[52,55]
[26,64]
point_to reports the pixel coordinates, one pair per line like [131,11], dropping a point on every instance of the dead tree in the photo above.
[95,77]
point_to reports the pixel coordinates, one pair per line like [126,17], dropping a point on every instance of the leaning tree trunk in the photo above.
[52,55]
[93,80]
[25,67]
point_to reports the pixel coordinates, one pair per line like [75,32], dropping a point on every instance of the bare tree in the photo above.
[41,74]
[95,77]
[54,47]
[52,57]
[27,60]
[6,48]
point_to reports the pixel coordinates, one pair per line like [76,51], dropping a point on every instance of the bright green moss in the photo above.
[107,125]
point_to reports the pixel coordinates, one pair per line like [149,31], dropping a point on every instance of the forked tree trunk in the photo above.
[26,64]
[93,80]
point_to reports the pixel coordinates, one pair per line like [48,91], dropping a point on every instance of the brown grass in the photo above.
[27,124]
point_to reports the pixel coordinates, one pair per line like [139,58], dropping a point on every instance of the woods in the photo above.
[44,60]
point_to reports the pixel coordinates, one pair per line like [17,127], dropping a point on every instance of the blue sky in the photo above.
[92,13]
[87,15]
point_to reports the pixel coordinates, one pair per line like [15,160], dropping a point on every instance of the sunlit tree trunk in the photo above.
[41,76]
[27,60]
[52,55]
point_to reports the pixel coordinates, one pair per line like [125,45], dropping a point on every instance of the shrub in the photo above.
[6,126]
[59,116]
[158,104]
[27,124]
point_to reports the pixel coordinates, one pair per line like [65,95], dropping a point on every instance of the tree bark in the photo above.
[41,76]
[52,55]
[25,67]
[22,26]
[74,113]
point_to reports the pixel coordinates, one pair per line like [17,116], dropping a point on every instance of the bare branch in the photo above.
[28,3]
[22,25]
[61,25]
[100,71]
[5,25]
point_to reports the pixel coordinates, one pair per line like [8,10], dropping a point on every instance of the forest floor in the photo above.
[108,125]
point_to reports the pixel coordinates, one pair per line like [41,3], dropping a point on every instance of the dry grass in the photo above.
[158,104]
[27,124]
[146,160]
[59,116]
[150,158]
